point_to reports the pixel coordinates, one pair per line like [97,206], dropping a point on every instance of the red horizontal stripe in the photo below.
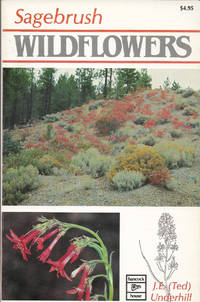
[103,30]
[132,62]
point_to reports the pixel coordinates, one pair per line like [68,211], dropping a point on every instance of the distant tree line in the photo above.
[29,95]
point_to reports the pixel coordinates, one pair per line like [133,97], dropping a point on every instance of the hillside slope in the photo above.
[81,149]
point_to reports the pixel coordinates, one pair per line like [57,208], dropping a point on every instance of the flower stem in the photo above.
[108,268]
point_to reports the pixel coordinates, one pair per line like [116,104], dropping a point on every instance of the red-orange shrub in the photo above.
[159,176]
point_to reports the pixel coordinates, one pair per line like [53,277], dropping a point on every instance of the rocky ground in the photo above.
[86,191]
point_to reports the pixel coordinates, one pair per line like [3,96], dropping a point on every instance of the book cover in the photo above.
[100,150]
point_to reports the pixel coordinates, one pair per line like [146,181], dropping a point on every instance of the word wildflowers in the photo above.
[52,230]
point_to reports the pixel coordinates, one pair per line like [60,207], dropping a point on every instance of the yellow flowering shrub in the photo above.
[143,159]
[46,164]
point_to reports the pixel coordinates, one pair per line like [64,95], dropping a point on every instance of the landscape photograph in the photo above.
[101,137]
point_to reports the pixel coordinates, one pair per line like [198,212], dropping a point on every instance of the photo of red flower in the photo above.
[56,256]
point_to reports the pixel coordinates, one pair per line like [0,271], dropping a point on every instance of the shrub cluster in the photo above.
[17,182]
[176,133]
[143,159]
[188,92]
[35,157]
[46,164]
[148,140]
[159,176]
[176,155]
[10,145]
[181,103]
[48,134]
[107,124]
[50,118]
[92,107]
[189,111]
[26,157]
[92,162]
[128,180]
[141,120]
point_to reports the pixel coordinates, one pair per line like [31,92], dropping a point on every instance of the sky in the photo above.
[185,77]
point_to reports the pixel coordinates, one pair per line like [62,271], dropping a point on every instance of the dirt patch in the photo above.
[86,191]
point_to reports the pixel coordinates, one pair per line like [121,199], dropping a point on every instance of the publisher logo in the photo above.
[136,287]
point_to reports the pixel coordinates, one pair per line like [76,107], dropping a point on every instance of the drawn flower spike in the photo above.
[166,248]
[21,242]
[84,285]
[166,227]
[45,254]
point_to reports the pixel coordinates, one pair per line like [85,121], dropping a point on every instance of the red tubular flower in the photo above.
[21,242]
[88,292]
[41,240]
[45,254]
[84,285]
[72,254]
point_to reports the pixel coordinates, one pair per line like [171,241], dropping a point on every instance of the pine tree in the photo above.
[65,94]
[84,78]
[126,81]
[144,80]
[46,85]
[16,95]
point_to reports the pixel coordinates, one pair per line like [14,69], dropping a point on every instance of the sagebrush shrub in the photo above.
[83,145]
[188,92]
[148,140]
[92,162]
[197,131]
[181,103]
[141,120]
[176,133]
[99,103]
[92,107]
[127,131]
[128,180]
[189,111]
[176,154]
[193,123]
[137,158]
[17,182]
[193,102]
[50,118]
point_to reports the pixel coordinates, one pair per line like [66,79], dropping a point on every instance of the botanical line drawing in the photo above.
[165,259]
